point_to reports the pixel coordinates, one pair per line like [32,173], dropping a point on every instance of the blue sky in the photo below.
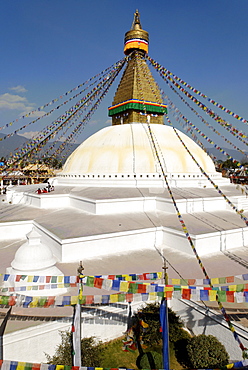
[49,47]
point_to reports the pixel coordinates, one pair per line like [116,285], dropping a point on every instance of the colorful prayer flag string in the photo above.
[207,124]
[165,70]
[245,219]
[227,126]
[134,293]
[146,276]
[105,71]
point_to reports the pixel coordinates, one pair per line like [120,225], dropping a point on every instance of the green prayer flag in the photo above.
[222,296]
[240,287]
[90,281]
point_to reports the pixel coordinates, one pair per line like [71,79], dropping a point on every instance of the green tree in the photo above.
[92,351]
[152,334]
[229,164]
[201,352]
[150,360]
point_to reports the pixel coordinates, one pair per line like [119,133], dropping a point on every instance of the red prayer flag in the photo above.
[191,281]
[168,294]
[185,293]
[36,366]
[129,297]
[141,288]
[89,299]
[230,279]
[230,296]
[50,301]
[98,283]
[12,301]
[48,278]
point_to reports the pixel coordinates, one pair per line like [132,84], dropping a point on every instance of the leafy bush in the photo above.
[150,314]
[202,351]
[91,352]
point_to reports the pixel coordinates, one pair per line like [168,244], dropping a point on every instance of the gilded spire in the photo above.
[138,97]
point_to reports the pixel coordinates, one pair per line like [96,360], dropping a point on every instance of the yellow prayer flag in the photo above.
[160,275]
[113,298]
[124,286]
[168,288]
[74,299]
[212,295]
[175,281]
[30,279]
[60,279]
[152,296]
[233,288]
[215,281]
[60,367]
[34,302]
[20,365]
[128,277]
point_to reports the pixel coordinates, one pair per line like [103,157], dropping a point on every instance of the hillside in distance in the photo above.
[11,145]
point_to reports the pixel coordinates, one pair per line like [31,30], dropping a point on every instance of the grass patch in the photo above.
[115,357]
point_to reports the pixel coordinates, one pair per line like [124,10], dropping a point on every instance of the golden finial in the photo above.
[136,38]
[136,25]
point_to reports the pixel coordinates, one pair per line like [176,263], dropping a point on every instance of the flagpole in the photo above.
[2,329]
[77,322]
[165,324]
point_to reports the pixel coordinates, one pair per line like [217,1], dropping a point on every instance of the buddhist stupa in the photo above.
[111,207]
[122,155]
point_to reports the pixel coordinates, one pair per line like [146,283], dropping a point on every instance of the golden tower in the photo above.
[138,98]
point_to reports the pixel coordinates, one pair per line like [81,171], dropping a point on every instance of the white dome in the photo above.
[33,255]
[123,149]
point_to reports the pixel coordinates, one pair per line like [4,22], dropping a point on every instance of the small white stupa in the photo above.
[34,258]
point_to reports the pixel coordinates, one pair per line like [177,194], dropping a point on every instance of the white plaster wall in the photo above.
[176,239]
[84,204]
[206,243]
[165,205]
[201,321]
[109,244]
[30,345]
[139,179]
[241,202]
[49,200]
[110,206]
[125,205]
[18,229]
[220,241]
